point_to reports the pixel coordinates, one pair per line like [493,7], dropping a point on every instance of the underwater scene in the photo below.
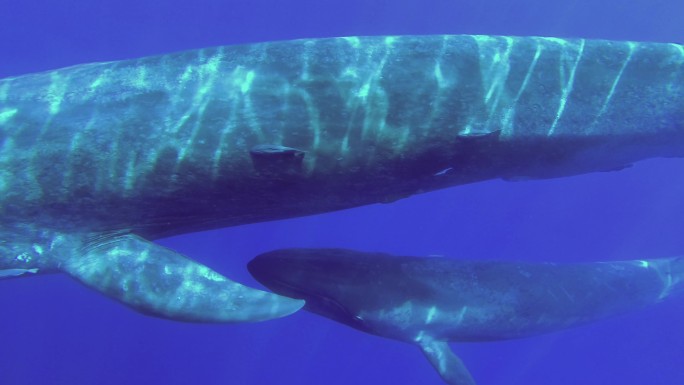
[331,192]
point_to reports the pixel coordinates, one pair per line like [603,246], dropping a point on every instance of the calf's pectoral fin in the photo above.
[448,364]
[161,282]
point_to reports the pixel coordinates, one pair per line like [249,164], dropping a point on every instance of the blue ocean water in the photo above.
[54,331]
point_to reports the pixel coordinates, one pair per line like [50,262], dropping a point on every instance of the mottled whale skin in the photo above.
[430,301]
[97,160]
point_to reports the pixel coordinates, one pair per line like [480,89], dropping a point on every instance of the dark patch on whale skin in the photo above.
[272,160]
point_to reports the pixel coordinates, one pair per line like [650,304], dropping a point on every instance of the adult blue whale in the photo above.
[430,301]
[98,159]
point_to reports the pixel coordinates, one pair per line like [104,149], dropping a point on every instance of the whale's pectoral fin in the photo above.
[448,364]
[161,282]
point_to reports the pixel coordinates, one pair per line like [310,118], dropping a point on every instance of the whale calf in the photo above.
[433,300]
[99,160]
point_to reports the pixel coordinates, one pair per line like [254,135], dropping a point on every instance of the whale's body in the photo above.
[431,301]
[98,159]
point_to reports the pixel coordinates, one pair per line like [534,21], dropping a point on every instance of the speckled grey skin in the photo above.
[232,135]
[431,301]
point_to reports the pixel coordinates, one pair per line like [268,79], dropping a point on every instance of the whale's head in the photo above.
[334,282]
[373,292]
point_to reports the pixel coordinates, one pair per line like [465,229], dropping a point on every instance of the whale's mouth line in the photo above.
[298,290]
[321,298]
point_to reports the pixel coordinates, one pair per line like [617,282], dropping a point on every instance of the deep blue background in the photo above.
[54,331]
